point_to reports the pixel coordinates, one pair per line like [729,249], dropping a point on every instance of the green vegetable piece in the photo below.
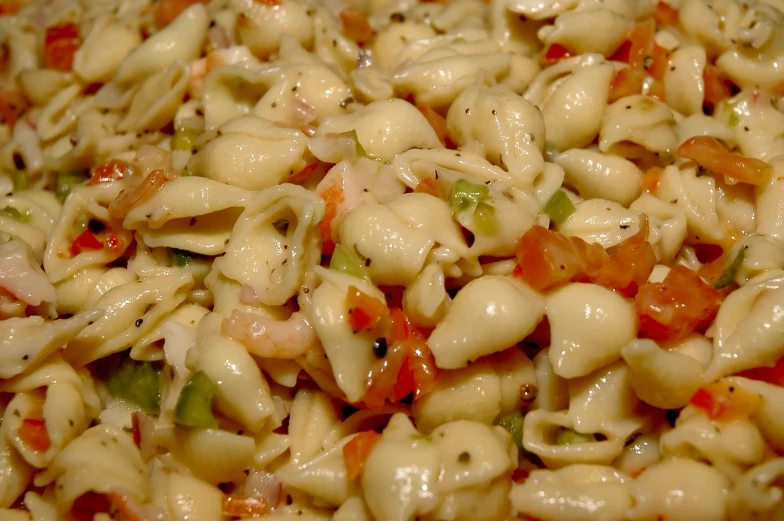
[181,258]
[728,275]
[513,424]
[550,148]
[184,138]
[137,383]
[347,261]
[65,183]
[486,221]
[13,213]
[20,180]
[194,406]
[568,436]
[559,207]
[734,119]
[466,194]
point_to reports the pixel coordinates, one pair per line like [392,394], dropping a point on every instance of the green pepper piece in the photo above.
[486,221]
[194,406]
[180,258]
[513,424]
[347,261]
[65,183]
[466,194]
[728,275]
[137,383]
[568,436]
[183,138]
[559,207]
[13,213]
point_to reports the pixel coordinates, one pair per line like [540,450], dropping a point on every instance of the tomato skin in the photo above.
[621,54]
[661,62]
[725,401]
[666,15]
[427,186]
[651,179]
[234,507]
[555,53]
[12,105]
[33,433]
[356,452]
[678,306]
[112,170]
[168,10]
[85,241]
[60,44]
[709,153]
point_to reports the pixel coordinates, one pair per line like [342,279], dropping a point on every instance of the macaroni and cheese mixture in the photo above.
[392,260]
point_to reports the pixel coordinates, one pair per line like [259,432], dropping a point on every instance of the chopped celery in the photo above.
[183,138]
[138,383]
[559,207]
[466,194]
[486,221]
[729,272]
[513,424]
[347,261]
[568,436]
[13,213]
[20,180]
[181,258]
[734,119]
[66,181]
[194,406]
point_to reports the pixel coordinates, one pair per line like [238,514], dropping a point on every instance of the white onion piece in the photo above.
[263,485]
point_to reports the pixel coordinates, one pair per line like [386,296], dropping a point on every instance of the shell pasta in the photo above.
[392,260]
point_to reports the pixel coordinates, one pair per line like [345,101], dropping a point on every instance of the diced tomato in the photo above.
[366,313]
[61,43]
[112,170]
[708,252]
[629,266]
[621,54]
[773,375]
[710,154]
[113,243]
[9,7]
[651,179]
[666,15]
[642,43]
[548,258]
[356,452]
[438,123]
[85,241]
[725,401]
[427,186]
[87,505]
[12,105]
[661,62]
[678,306]
[520,475]
[127,508]
[408,367]
[234,507]
[306,172]
[168,10]
[717,87]
[555,53]
[33,433]
[333,196]
[356,26]
[626,82]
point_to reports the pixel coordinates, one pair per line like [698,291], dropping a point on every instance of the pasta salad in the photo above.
[392,260]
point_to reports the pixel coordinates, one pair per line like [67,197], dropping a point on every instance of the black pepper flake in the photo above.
[139,322]
[19,161]
[104,444]
[367,261]
[16,413]
[380,347]
[192,222]
[464,457]
[625,226]
[494,113]
[628,107]
[468,111]
[397,17]
[70,422]
[26,357]
[274,104]
[240,432]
